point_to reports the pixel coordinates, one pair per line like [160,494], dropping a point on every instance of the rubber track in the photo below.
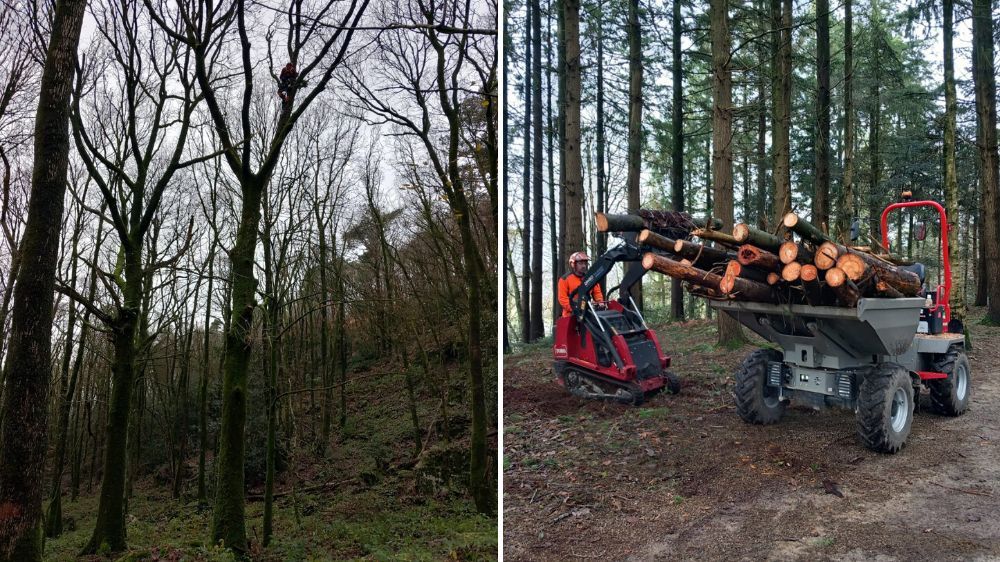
[873,427]
[754,366]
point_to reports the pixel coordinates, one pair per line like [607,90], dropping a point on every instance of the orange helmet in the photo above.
[578,256]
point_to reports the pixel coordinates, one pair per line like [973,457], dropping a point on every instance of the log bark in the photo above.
[650,219]
[747,272]
[657,219]
[884,289]
[746,234]
[701,253]
[805,229]
[716,236]
[752,255]
[795,251]
[903,281]
[746,290]
[650,238]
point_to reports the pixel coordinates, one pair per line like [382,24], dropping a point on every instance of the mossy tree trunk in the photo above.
[23,432]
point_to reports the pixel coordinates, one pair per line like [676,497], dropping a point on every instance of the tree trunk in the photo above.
[950,174]
[23,433]
[984,76]
[228,522]
[526,224]
[821,207]
[573,182]
[846,212]
[634,125]
[722,138]
[677,148]
[203,388]
[553,230]
[537,322]
[109,531]
[602,182]
[506,185]
[781,96]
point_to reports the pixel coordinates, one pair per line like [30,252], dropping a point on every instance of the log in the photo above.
[662,220]
[811,286]
[791,271]
[746,290]
[655,220]
[855,267]
[773,278]
[884,289]
[845,289]
[805,229]
[650,238]
[618,223]
[905,282]
[747,272]
[735,270]
[700,253]
[752,255]
[794,251]
[746,234]
[827,254]
[716,236]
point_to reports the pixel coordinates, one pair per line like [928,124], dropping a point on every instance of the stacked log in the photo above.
[807,267]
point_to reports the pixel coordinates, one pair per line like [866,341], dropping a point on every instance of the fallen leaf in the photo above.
[831,488]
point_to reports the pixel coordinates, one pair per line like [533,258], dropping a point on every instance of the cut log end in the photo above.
[826,255]
[601,220]
[808,273]
[853,266]
[741,232]
[678,246]
[773,278]
[788,252]
[791,271]
[835,277]
[641,237]
[648,260]
[790,220]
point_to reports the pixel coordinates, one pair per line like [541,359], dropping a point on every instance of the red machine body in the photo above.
[576,350]
[604,350]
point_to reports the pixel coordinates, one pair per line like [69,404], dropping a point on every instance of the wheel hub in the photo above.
[961,380]
[900,410]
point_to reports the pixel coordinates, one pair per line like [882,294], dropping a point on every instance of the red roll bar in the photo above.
[945,299]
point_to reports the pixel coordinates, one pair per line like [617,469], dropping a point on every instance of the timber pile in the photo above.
[807,267]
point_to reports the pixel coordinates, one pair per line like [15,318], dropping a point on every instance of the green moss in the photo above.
[372,524]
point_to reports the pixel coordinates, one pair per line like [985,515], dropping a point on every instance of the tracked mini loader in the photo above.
[606,350]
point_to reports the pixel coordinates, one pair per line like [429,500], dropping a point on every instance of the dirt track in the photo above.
[683,478]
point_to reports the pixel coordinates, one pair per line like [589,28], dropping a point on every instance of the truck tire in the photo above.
[885,408]
[756,402]
[950,396]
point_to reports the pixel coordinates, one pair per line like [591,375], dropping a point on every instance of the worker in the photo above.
[578,264]
[286,81]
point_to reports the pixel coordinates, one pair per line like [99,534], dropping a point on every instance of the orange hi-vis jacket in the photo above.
[569,282]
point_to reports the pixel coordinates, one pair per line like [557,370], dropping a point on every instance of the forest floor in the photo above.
[682,477]
[359,502]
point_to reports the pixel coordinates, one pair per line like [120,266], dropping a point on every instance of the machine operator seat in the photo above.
[918,268]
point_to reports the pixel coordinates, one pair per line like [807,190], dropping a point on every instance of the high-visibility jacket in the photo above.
[569,282]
